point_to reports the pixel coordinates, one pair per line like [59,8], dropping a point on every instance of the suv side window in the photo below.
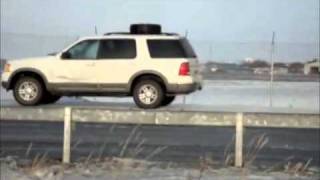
[117,49]
[173,48]
[87,49]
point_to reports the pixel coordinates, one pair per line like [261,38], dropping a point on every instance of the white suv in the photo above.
[152,68]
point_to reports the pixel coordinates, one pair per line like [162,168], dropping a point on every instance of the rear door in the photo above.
[116,63]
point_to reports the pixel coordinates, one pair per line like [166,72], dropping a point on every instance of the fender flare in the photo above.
[147,72]
[32,70]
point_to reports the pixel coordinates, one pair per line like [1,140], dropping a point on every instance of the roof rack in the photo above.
[128,33]
[170,34]
[122,33]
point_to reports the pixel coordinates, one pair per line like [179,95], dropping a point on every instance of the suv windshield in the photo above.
[175,48]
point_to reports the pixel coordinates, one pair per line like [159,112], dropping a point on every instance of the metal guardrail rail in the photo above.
[162,117]
[239,120]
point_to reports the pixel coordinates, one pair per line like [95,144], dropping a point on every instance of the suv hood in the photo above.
[44,58]
[36,63]
[32,60]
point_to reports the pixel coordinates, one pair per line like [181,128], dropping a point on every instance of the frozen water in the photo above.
[285,95]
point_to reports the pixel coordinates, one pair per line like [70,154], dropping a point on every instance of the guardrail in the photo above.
[239,120]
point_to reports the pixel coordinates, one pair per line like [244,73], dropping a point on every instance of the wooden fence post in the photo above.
[239,140]
[67,135]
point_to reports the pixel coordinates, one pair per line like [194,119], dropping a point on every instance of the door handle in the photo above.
[90,64]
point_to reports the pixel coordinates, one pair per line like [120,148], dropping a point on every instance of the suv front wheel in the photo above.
[148,94]
[28,91]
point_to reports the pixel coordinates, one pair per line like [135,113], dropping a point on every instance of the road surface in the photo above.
[175,143]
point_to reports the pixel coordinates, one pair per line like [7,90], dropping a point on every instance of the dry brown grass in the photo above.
[28,149]
[128,140]
[228,153]
[299,168]
[255,146]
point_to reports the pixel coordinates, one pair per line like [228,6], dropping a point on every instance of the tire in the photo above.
[144,90]
[28,91]
[167,100]
[49,98]
[145,29]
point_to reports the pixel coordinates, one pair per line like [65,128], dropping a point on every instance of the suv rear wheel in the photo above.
[28,91]
[148,94]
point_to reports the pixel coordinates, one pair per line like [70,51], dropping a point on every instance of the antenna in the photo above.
[186,33]
[95,30]
[271,67]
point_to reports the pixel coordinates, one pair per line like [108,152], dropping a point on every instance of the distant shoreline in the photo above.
[262,77]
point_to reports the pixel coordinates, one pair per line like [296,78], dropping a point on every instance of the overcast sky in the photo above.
[294,21]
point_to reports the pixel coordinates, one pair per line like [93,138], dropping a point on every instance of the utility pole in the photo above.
[184,96]
[271,68]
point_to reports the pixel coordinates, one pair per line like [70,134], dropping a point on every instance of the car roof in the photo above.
[133,36]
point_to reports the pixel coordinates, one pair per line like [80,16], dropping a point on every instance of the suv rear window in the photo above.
[117,49]
[160,48]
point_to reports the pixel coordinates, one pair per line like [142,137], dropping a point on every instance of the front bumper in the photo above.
[183,88]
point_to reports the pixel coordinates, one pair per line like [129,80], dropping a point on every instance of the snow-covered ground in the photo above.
[253,94]
[303,95]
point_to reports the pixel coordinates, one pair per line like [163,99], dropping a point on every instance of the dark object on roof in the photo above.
[119,33]
[127,33]
[145,29]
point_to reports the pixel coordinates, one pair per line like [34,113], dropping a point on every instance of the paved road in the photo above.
[180,144]
[183,144]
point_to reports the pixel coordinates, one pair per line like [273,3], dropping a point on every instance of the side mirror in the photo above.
[66,55]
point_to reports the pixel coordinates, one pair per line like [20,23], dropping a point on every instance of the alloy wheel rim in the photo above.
[148,94]
[28,91]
